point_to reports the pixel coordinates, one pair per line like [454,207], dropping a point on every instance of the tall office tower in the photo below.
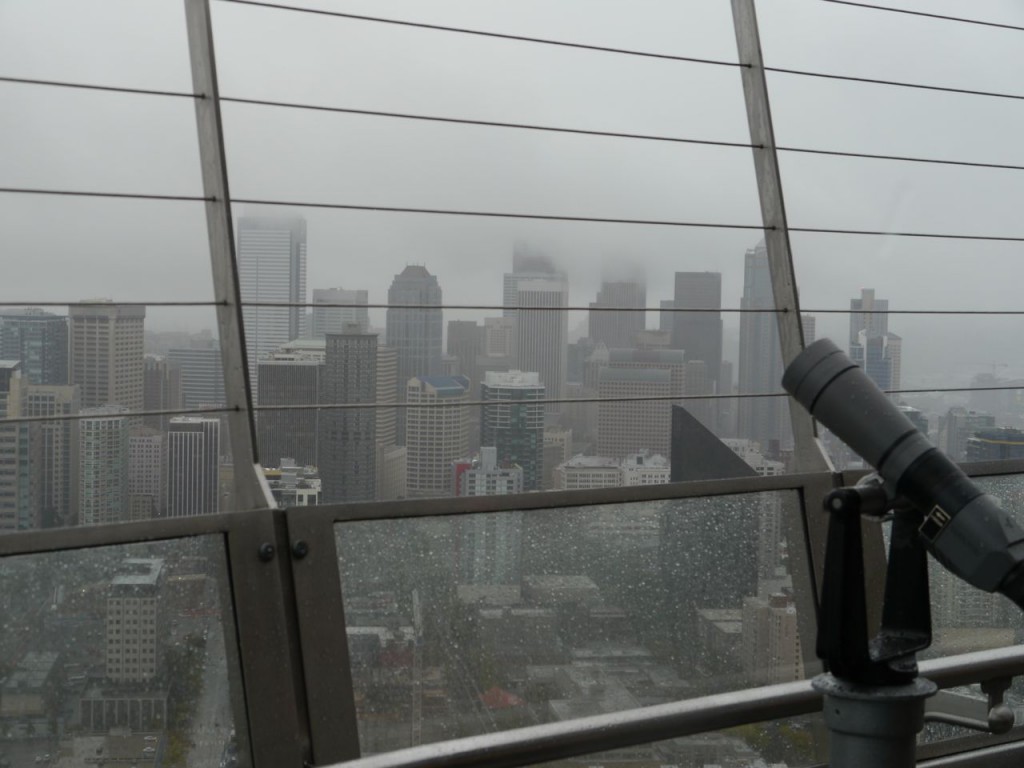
[527,264]
[146,465]
[514,426]
[334,319]
[39,340]
[466,342]
[500,337]
[634,425]
[347,449]
[56,463]
[18,492]
[438,434]
[103,465]
[872,347]
[577,357]
[959,424]
[390,456]
[415,332]
[106,354]
[666,317]
[868,314]
[289,378]
[193,466]
[202,374]
[271,267]
[699,334]
[879,360]
[161,389]
[618,328]
[624,428]
[764,419]
[542,335]
[135,625]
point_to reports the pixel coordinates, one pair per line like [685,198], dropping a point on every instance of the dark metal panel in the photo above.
[526,502]
[251,490]
[808,455]
[87,536]
[321,623]
[268,647]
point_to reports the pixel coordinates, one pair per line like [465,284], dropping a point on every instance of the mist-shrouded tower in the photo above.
[614,328]
[699,333]
[415,325]
[763,419]
[271,268]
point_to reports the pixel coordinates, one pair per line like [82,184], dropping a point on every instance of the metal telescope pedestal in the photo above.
[874,701]
[874,726]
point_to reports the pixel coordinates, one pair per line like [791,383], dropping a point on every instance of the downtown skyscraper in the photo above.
[103,465]
[438,432]
[271,268]
[39,340]
[193,466]
[415,326]
[872,347]
[699,333]
[617,328]
[347,438]
[328,317]
[106,354]
[513,423]
[763,419]
[542,334]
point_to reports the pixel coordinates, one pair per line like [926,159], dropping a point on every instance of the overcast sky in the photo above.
[65,249]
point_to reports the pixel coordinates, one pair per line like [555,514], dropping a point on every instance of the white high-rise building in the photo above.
[271,268]
[542,336]
[193,466]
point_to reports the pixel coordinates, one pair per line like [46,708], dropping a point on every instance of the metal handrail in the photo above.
[590,735]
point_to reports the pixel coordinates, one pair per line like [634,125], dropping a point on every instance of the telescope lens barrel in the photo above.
[964,528]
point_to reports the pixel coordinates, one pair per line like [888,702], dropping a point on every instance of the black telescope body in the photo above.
[963,528]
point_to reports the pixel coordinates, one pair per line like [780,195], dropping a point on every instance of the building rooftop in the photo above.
[32,671]
[139,571]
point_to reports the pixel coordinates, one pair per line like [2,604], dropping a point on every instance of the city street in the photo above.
[212,723]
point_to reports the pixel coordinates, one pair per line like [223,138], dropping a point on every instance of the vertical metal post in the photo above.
[334,726]
[251,489]
[808,454]
[262,592]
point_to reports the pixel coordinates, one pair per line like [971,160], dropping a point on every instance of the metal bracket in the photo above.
[990,715]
